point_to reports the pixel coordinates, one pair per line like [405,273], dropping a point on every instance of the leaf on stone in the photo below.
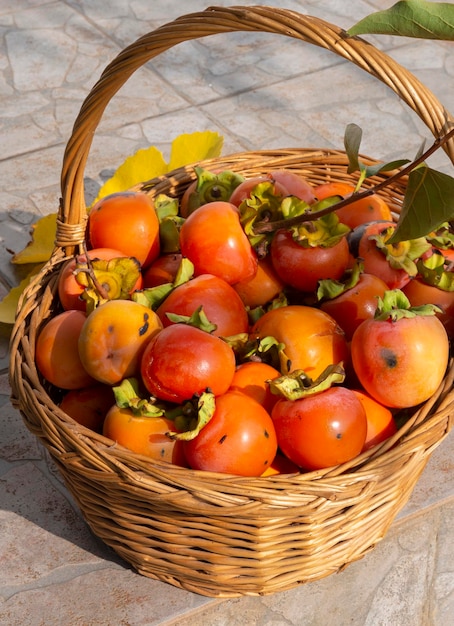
[8,305]
[42,242]
[410,18]
[428,202]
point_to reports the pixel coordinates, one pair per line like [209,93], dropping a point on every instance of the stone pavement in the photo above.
[258,91]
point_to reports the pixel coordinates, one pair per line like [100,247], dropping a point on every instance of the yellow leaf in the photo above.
[9,303]
[141,166]
[40,248]
[194,147]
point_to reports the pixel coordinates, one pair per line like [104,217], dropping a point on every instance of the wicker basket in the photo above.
[222,535]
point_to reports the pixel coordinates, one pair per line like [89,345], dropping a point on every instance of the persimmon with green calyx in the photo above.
[113,338]
[352,299]
[126,221]
[310,339]
[310,252]
[220,302]
[208,187]
[140,425]
[239,438]
[295,184]
[213,239]
[393,263]
[401,355]
[434,284]
[321,429]
[77,274]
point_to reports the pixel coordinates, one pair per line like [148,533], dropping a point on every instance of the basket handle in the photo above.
[214,20]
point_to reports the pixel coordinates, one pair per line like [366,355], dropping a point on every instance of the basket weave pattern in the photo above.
[213,534]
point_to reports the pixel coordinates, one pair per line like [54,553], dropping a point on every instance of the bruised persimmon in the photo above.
[57,354]
[113,338]
[126,221]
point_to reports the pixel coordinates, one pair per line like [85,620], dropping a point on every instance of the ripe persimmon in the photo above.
[126,221]
[113,338]
[311,338]
[57,354]
[262,287]
[380,420]
[251,378]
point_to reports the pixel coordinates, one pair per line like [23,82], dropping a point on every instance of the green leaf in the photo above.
[198,319]
[194,147]
[410,18]
[395,306]
[428,202]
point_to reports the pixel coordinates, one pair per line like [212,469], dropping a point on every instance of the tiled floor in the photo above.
[258,92]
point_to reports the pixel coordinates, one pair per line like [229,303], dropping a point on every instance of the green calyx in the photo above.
[324,232]
[192,416]
[395,305]
[107,280]
[328,288]
[403,254]
[212,187]
[298,384]
[198,319]
[432,271]
[152,297]
[127,396]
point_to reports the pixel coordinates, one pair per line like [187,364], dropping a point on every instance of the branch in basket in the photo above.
[438,217]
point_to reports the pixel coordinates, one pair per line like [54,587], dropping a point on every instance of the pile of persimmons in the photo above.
[249,327]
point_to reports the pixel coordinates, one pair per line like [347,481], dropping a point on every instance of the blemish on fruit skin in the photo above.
[222,439]
[110,328]
[389,357]
[143,329]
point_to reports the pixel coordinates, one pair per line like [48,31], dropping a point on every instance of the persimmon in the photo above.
[89,406]
[113,338]
[239,439]
[312,339]
[70,290]
[262,287]
[181,361]
[400,359]
[356,304]
[301,266]
[321,430]
[126,221]
[368,209]
[143,435]
[163,270]
[295,184]
[57,354]
[251,378]
[219,301]
[380,421]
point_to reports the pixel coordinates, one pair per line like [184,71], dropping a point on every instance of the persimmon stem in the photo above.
[268,227]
